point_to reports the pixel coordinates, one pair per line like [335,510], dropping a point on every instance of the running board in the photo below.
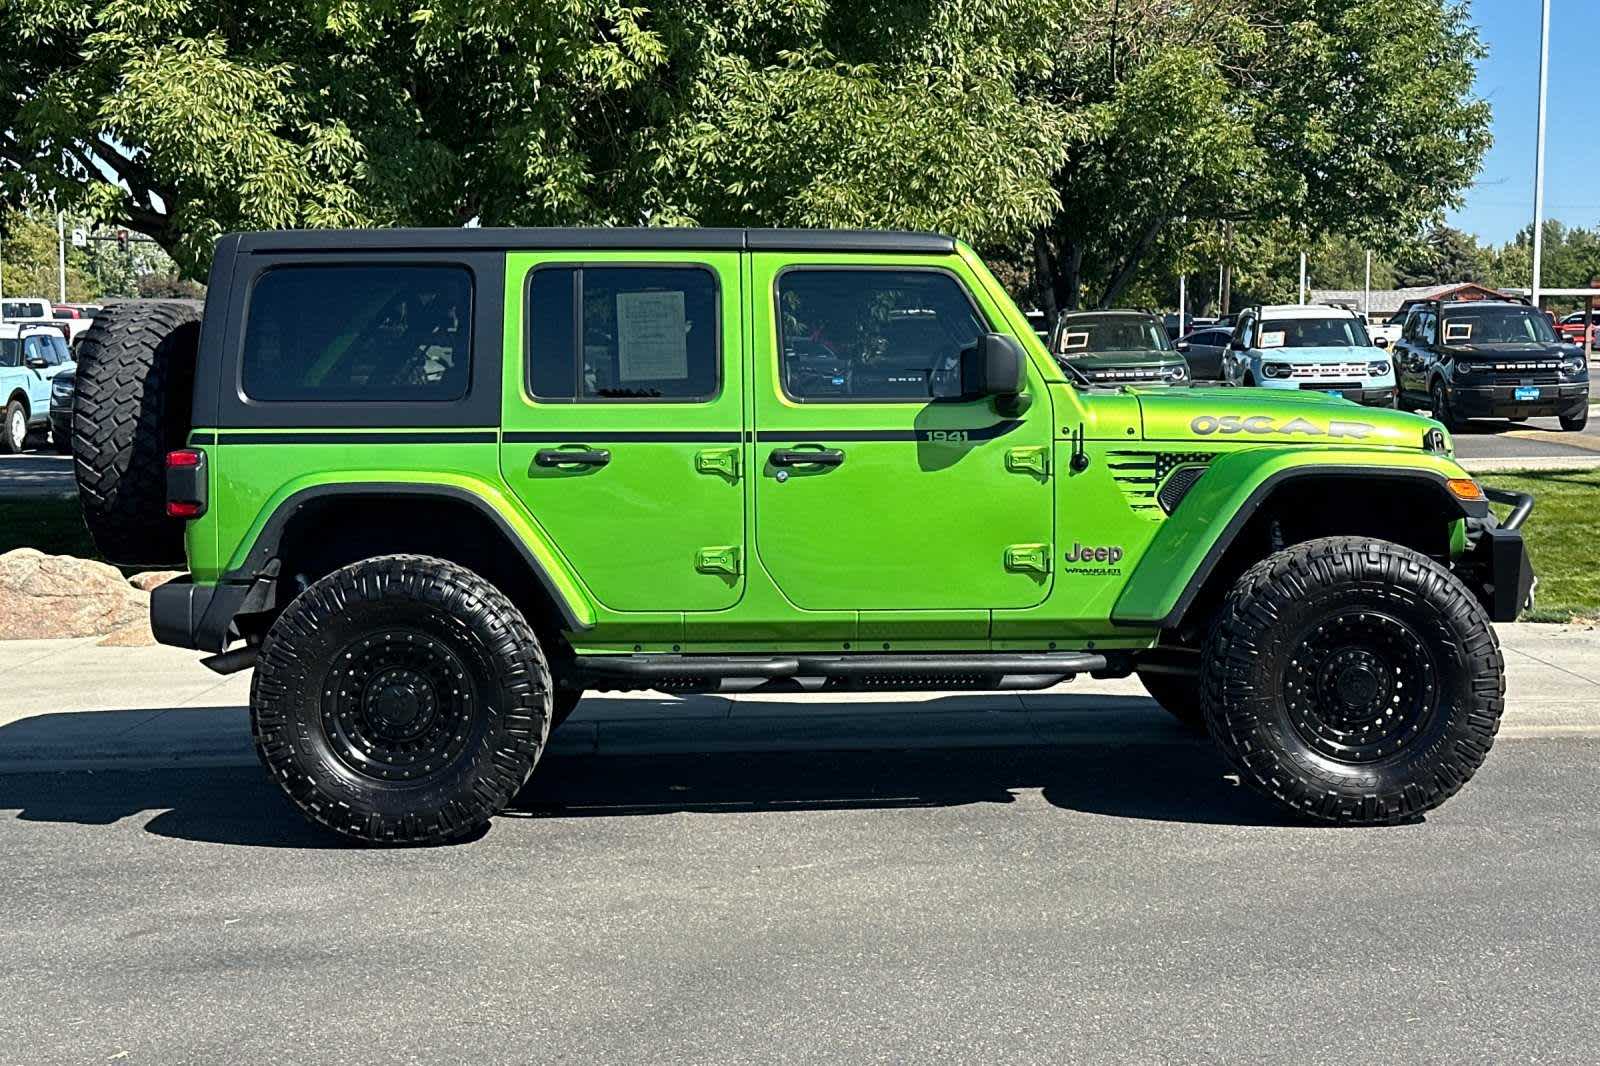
[748,673]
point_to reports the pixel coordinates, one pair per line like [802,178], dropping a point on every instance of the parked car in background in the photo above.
[27,309]
[73,319]
[31,356]
[1490,359]
[1571,328]
[1118,347]
[1036,320]
[1322,349]
[1203,351]
[1389,328]
[1189,323]
[63,389]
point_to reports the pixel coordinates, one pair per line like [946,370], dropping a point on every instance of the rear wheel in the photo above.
[1178,695]
[1573,423]
[401,700]
[14,433]
[1353,680]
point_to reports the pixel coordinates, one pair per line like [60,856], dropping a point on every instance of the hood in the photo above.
[1271,416]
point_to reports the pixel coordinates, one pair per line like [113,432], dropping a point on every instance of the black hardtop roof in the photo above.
[1111,312]
[599,238]
[1462,305]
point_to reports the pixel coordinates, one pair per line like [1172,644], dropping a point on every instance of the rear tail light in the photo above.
[186,483]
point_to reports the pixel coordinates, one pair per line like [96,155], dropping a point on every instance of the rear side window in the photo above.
[873,334]
[347,334]
[600,333]
[10,351]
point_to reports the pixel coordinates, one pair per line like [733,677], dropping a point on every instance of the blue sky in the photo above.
[1501,200]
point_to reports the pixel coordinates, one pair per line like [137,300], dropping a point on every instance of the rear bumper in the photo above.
[1500,401]
[186,615]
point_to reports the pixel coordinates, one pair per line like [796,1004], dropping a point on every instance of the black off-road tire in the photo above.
[135,390]
[10,442]
[401,700]
[1178,695]
[1573,423]
[1353,680]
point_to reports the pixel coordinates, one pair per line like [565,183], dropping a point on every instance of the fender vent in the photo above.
[1177,486]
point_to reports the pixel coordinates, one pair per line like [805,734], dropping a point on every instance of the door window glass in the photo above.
[886,335]
[599,334]
[349,334]
[10,351]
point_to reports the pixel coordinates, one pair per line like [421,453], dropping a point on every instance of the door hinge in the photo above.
[718,560]
[724,461]
[1030,460]
[1028,557]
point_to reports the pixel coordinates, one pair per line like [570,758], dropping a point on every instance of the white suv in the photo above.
[1322,349]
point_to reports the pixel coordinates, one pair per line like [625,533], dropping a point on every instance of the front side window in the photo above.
[1498,325]
[348,334]
[1312,333]
[599,333]
[888,335]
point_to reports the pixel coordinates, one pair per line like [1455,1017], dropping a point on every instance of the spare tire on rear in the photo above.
[135,386]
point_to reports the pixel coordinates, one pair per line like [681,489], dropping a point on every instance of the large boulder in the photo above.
[51,596]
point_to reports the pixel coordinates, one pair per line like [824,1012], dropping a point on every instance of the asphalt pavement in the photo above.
[1057,877]
[34,474]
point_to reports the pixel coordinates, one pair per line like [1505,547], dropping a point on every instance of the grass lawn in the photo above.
[1562,534]
[52,524]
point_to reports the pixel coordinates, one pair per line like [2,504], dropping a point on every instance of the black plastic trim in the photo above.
[265,548]
[186,615]
[646,668]
[582,238]
[1197,580]
[484,436]
[623,436]
[1510,572]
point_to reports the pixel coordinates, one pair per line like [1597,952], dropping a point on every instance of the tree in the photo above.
[1085,129]
[1444,256]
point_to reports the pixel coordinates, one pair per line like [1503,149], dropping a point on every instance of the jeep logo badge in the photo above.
[1083,553]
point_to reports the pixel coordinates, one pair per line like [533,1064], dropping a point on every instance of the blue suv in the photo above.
[1317,349]
[30,358]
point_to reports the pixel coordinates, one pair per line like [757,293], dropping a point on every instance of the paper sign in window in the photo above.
[652,343]
[1272,338]
[1072,340]
[1457,331]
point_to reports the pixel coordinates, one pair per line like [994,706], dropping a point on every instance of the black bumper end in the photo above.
[1505,573]
[186,615]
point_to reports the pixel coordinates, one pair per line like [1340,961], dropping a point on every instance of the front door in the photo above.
[623,421]
[873,490]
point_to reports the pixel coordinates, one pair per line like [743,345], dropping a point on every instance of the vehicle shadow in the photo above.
[1149,770]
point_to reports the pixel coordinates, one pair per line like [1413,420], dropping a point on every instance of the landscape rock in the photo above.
[151,579]
[55,596]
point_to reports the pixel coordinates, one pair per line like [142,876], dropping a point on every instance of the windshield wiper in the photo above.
[1083,378]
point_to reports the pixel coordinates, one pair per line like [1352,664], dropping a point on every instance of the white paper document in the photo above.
[652,344]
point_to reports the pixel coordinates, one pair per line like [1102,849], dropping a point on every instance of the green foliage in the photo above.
[1087,128]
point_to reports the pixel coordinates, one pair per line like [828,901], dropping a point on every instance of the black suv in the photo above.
[1489,359]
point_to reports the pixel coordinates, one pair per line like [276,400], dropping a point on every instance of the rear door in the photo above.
[873,491]
[623,421]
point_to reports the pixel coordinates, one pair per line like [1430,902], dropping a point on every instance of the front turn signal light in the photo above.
[1464,488]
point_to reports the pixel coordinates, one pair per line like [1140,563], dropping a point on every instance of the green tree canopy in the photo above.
[1082,130]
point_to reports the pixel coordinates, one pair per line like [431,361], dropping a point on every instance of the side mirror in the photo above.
[37,362]
[1380,342]
[992,367]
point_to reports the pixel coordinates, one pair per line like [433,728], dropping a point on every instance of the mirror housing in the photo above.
[992,367]
[1183,346]
[1380,342]
[36,362]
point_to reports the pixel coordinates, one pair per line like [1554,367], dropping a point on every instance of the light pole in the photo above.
[1538,157]
[1366,290]
[61,254]
[1302,278]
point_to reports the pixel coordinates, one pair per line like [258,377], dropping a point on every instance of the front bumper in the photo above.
[1500,401]
[1500,570]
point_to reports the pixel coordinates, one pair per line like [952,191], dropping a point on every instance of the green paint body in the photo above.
[962,528]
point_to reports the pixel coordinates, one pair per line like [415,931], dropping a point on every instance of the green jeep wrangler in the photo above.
[433,485]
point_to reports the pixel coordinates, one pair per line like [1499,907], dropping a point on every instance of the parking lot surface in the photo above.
[36,474]
[1054,877]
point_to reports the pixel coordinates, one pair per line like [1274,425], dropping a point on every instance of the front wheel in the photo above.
[1573,423]
[14,433]
[1442,412]
[1353,680]
[400,700]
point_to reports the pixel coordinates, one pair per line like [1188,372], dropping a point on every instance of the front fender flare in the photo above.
[1183,554]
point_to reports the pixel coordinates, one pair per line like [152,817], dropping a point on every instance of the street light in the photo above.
[1538,158]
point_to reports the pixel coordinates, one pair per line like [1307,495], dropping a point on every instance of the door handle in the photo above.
[807,457]
[571,457]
